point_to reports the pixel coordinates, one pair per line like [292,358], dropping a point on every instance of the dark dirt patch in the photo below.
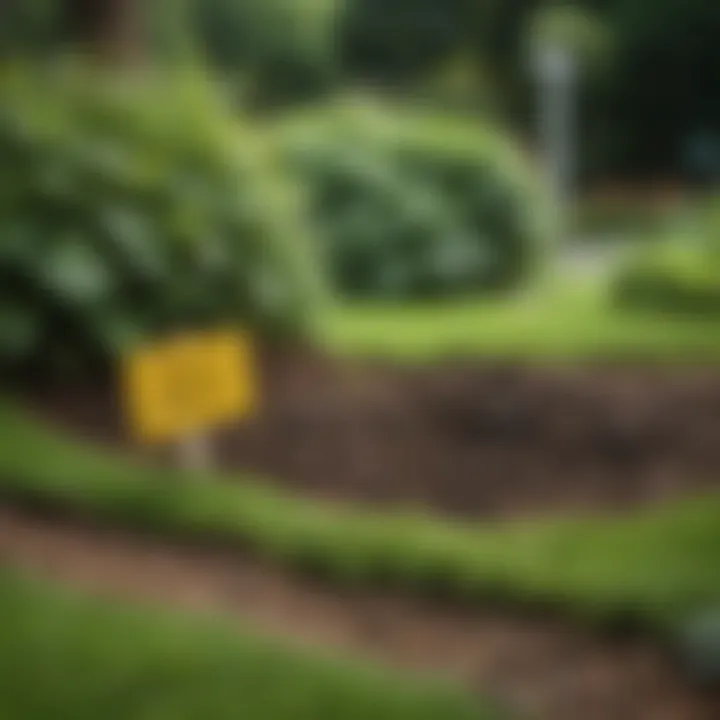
[465,439]
[544,669]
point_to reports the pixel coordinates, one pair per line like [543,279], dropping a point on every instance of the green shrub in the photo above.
[132,208]
[410,204]
[680,281]
[678,275]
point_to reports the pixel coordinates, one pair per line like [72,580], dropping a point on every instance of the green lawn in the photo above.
[66,657]
[654,568]
[560,323]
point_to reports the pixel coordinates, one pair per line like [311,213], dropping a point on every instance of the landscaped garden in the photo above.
[474,484]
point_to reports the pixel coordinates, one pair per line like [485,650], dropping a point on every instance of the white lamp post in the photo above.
[557,71]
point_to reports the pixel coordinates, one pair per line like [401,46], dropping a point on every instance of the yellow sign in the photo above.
[188,384]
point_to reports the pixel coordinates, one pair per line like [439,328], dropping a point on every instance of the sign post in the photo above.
[177,390]
[195,453]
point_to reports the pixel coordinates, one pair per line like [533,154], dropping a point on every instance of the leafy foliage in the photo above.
[133,208]
[413,204]
[679,275]
[28,26]
[671,281]
[280,50]
[576,29]
[398,40]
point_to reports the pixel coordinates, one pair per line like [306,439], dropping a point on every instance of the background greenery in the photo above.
[656,88]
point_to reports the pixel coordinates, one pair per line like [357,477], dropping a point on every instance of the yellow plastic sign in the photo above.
[188,384]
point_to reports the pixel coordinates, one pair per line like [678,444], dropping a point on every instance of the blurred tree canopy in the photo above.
[660,87]
[28,25]
[284,49]
[397,40]
[41,26]
[637,117]
[665,84]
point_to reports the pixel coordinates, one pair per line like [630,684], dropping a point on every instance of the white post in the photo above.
[557,73]
[195,453]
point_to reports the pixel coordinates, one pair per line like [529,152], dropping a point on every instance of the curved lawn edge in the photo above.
[651,569]
[65,654]
[565,321]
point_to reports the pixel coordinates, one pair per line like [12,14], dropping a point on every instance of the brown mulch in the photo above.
[544,669]
[461,438]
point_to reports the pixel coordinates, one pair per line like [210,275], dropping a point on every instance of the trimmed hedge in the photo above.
[67,657]
[654,569]
[412,204]
[134,206]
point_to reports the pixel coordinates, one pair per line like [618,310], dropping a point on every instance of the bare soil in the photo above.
[544,669]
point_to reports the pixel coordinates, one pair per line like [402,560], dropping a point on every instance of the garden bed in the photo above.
[465,438]
[556,587]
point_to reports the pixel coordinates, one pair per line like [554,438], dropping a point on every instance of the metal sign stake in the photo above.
[195,453]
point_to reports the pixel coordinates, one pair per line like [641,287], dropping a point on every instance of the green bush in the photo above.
[410,204]
[678,281]
[679,275]
[131,208]
[28,26]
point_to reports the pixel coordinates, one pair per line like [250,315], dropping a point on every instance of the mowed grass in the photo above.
[562,320]
[67,657]
[654,569]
